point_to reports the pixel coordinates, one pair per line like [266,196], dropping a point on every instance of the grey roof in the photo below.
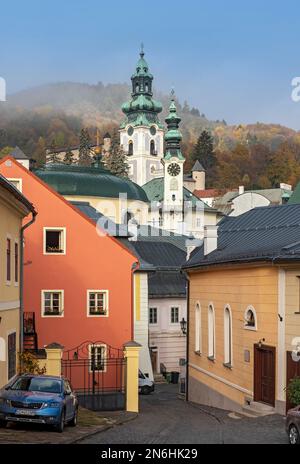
[270,233]
[113,229]
[161,255]
[198,167]
[17,153]
[167,284]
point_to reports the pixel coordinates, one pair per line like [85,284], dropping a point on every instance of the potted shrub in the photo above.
[293,391]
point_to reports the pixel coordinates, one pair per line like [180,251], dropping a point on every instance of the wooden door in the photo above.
[154,361]
[264,374]
[292,370]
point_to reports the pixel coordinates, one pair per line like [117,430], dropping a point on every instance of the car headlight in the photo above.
[52,405]
[4,402]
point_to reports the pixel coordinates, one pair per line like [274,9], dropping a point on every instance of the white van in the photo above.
[146,386]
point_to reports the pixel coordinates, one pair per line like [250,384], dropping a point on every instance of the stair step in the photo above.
[159,378]
[258,409]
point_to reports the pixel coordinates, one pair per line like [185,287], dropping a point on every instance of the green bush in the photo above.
[294,391]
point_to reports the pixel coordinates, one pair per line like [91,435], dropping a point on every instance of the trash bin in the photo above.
[174,377]
[168,377]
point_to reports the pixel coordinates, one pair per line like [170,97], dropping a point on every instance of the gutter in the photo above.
[23,228]
[187,335]
[135,267]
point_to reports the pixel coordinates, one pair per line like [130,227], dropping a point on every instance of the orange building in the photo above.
[78,281]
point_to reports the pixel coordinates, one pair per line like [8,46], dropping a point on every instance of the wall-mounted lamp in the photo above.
[280,317]
[261,342]
[183,325]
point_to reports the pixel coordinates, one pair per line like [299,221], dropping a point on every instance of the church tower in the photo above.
[142,134]
[173,162]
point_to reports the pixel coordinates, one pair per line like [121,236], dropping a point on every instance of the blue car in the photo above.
[39,399]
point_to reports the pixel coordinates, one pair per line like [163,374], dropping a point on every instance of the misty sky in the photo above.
[231,59]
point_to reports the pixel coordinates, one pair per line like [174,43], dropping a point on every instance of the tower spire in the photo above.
[142,53]
[173,136]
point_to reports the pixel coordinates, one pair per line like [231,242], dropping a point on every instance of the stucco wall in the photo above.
[168,337]
[237,288]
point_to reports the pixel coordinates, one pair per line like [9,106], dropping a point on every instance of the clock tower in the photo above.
[173,162]
[142,134]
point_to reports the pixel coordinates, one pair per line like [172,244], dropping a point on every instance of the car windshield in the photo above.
[37,384]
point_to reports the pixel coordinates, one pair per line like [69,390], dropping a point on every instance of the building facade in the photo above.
[243,316]
[78,280]
[13,209]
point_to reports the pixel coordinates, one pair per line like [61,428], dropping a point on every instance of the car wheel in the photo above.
[3,424]
[294,436]
[73,422]
[61,425]
[146,390]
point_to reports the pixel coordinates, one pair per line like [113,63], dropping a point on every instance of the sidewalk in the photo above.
[89,423]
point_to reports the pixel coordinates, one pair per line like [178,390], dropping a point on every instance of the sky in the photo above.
[234,60]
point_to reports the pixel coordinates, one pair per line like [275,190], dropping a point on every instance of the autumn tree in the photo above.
[40,152]
[85,158]
[116,159]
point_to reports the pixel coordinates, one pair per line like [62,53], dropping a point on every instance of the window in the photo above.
[211,333]
[54,240]
[152,315]
[198,329]
[147,87]
[8,259]
[52,303]
[130,148]
[16,183]
[174,315]
[137,88]
[227,337]
[97,358]
[152,148]
[16,263]
[97,303]
[250,319]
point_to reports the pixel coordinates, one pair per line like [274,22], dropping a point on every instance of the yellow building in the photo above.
[14,207]
[244,312]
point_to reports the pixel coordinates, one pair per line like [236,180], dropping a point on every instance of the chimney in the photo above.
[210,239]
[241,190]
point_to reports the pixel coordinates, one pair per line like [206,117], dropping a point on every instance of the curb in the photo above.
[102,428]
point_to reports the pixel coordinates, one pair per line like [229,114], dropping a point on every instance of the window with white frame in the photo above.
[250,319]
[97,302]
[54,240]
[227,336]
[152,315]
[97,355]
[52,302]
[211,333]
[174,315]
[198,329]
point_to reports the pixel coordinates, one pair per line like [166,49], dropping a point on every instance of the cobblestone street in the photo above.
[166,419]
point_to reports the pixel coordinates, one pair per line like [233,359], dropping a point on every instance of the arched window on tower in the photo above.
[152,148]
[147,87]
[130,148]
[137,88]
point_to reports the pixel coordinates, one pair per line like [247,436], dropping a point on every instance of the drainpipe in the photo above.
[23,228]
[187,335]
[135,267]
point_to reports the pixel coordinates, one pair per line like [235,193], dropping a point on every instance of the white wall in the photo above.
[168,337]
[246,202]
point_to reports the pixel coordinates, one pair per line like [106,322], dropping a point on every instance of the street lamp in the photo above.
[183,325]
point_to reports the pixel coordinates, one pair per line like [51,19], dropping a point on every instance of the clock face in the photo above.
[130,131]
[152,130]
[174,169]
